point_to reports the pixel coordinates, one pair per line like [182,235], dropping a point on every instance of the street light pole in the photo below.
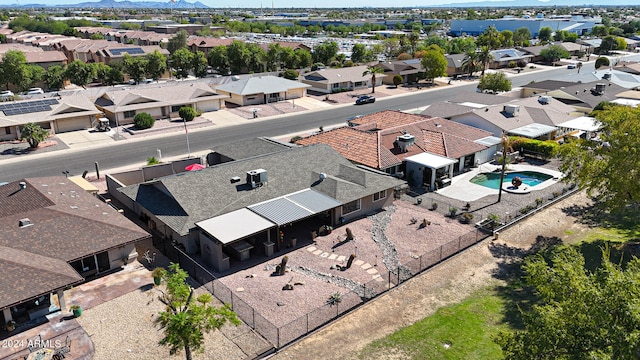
[186,131]
[504,164]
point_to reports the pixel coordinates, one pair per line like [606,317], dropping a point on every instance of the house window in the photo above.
[251,98]
[129,114]
[380,195]
[335,85]
[350,207]
[358,84]
[7,130]
[178,107]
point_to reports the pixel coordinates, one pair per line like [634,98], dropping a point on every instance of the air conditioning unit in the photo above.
[405,142]
[256,178]
[600,89]
[545,99]
[512,109]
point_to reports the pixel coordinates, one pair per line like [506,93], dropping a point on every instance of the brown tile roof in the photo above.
[367,144]
[45,57]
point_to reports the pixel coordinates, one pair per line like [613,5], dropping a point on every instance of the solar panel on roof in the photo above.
[28,107]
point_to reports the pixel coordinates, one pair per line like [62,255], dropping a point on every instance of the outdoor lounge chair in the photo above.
[63,350]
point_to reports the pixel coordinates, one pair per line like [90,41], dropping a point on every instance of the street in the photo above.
[125,152]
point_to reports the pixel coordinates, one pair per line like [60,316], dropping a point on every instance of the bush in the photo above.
[143,121]
[466,217]
[295,138]
[522,63]
[397,80]
[405,56]
[602,61]
[316,66]
[290,74]
[348,63]
[512,64]
[547,148]
[187,113]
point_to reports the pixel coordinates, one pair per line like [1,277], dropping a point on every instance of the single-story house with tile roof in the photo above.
[534,118]
[583,97]
[55,235]
[384,140]
[56,115]
[161,101]
[233,208]
[332,80]
[261,90]
[408,69]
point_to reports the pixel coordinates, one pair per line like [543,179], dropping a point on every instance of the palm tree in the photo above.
[470,61]
[507,147]
[373,70]
[485,57]
[413,41]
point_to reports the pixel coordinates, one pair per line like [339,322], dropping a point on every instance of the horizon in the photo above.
[328,4]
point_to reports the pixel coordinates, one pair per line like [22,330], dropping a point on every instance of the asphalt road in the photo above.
[125,152]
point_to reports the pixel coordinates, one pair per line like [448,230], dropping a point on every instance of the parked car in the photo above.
[571,66]
[35,91]
[6,95]
[365,99]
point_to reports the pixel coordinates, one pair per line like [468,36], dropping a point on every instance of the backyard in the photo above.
[477,285]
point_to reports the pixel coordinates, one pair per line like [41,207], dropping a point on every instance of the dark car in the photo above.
[365,99]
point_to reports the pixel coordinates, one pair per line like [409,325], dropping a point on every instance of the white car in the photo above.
[571,66]
[7,94]
[35,91]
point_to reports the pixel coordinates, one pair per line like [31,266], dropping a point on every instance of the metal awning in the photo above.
[294,206]
[489,141]
[584,123]
[533,131]
[432,161]
[235,225]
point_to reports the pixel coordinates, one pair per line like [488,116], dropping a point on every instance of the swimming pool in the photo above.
[492,179]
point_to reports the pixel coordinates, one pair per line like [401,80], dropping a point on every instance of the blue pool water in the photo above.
[492,180]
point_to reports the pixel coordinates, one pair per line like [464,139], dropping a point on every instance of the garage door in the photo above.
[73,124]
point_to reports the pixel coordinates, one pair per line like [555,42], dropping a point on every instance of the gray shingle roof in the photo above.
[250,148]
[261,85]
[446,109]
[184,199]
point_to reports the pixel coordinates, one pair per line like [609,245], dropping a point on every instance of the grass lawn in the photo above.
[465,330]
[461,331]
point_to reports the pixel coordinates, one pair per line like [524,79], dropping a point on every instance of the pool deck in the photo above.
[464,190]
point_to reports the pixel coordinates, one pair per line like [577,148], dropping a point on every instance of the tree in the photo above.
[581,314]
[373,71]
[413,41]
[610,171]
[274,57]
[359,53]
[490,38]
[484,56]
[495,82]
[461,45]
[545,34]
[54,77]
[554,53]
[470,61]
[156,65]
[238,56]
[179,41]
[218,59]
[185,321]
[34,134]
[434,63]
[391,47]
[136,67]
[397,80]
[187,113]
[325,52]
[304,58]
[181,60]
[143,121]
[291,74]
[521,36]
[599,31]
[80,73]
[14,67]
[199,64]
[602,61]
[506,38]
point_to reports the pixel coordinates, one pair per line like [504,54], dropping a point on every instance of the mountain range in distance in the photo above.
[183,4]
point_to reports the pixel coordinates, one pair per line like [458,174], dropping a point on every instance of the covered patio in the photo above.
[583,125]
[534,131]
[430,170]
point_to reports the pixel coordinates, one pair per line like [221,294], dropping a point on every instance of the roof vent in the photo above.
[322,176]
[600,89]
[405,142]
[607,76]
[544,100]
[512,110]
[235,78]
[256,178]
[24,222]
[23,185]
[235,179]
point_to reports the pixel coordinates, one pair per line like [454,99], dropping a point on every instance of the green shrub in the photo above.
[295,138]
[187,113]
[602,61]
[397,80]
[143,121]
[512,64]
[547,148]
[522,63]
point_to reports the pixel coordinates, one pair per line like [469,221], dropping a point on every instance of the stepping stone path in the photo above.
[340,258]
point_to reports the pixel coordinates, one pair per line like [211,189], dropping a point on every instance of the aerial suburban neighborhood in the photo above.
[426,181]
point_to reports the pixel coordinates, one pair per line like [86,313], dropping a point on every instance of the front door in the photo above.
[103,262]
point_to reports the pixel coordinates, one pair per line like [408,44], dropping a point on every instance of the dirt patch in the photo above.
[445,284]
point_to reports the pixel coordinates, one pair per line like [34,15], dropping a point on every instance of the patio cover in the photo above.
[489,141]
[431,160]
[294,206]
[235,225]
[533,131]
[584,123]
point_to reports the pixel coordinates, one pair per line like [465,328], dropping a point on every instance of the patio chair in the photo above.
[35,343]
[60,352]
